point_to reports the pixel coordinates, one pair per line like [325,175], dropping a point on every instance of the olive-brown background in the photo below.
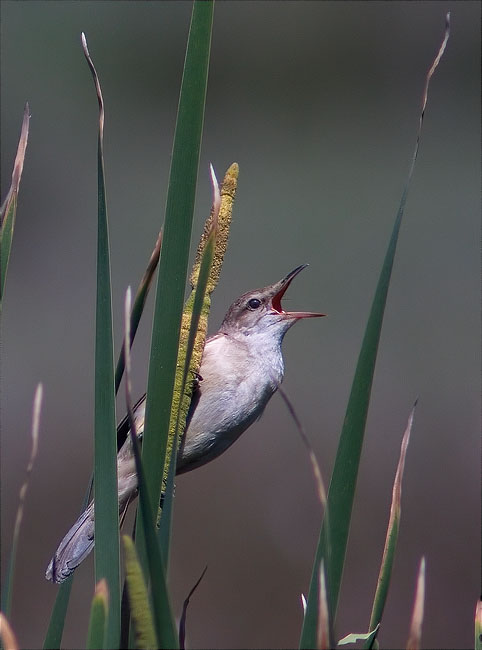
[318,102]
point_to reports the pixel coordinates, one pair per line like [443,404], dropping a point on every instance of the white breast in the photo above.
[235,387]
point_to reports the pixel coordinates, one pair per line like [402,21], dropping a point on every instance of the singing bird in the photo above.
[241,368]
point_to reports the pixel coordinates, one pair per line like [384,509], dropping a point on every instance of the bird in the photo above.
[241,368]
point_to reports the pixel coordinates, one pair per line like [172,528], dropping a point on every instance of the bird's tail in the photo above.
[79,541]
[74,548]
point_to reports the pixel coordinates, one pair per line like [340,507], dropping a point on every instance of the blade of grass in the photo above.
[324,621]
[106,512]
[54,634]
[478,626]
[9,641]
[189,355]
[228,190]
[323,627]
[8,584]
[167,502]
[53,638]
[98,617]
[182,622]
[415,638]
[9,207]
[354,637]
[138,308]
[216,227]
[163,619]
[56,625]
[126,620]
[391,538]
[228,194]
[320,486]
[197,305]
[145,635]
[342,487]
[174,254]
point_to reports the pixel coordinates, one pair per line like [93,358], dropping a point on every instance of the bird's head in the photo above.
[259,312]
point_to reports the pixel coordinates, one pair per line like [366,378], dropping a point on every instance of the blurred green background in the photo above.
[318,102]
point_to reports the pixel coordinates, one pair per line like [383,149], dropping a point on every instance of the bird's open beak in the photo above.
[280,289]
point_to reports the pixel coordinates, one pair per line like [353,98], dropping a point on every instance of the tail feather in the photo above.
[74,547]
[79,541]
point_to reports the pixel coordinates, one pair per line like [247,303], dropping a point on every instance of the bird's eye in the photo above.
[254,303]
